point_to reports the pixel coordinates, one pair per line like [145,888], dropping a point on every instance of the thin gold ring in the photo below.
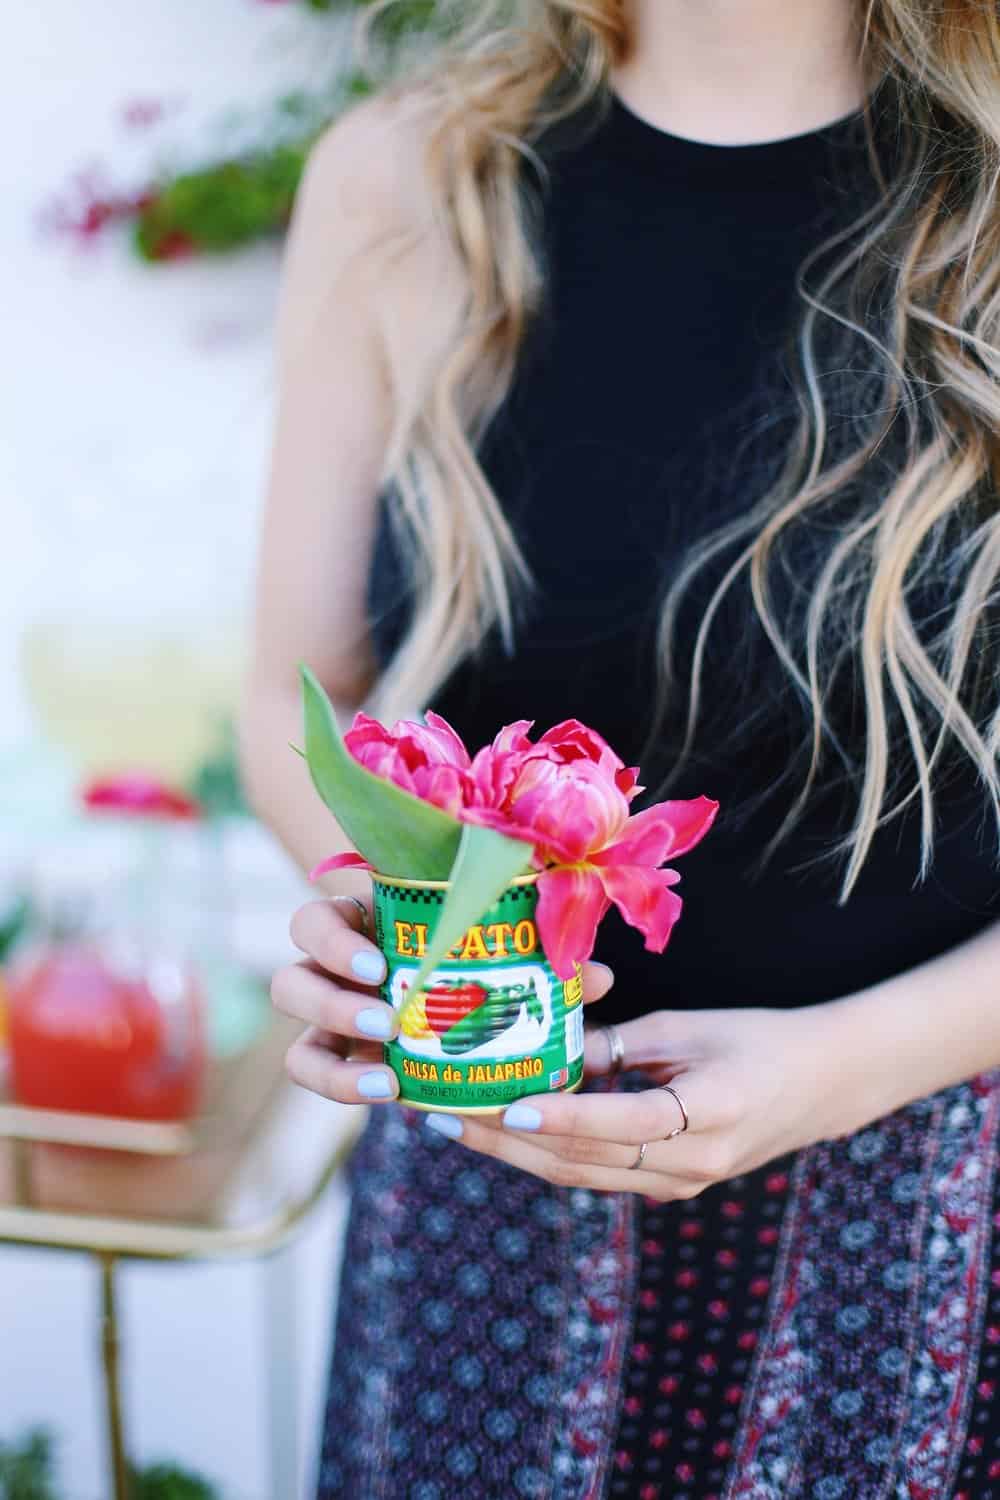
[616,1048]
[641,1157]
[678,1129]
[362,908]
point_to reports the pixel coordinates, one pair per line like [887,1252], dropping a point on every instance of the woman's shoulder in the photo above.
[368,167]
[366,216]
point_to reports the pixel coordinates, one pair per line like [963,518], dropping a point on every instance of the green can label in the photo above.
[493,1022]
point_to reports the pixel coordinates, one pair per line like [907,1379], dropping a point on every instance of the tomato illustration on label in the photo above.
[445,1004]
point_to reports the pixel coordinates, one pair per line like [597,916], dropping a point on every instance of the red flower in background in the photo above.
[139,795]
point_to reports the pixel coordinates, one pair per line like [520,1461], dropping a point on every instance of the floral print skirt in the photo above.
[826,1328]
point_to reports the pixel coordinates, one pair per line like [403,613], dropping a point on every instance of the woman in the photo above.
[639,365]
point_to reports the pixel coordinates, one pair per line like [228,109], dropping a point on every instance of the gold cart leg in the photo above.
[21,1152]
[112,1386]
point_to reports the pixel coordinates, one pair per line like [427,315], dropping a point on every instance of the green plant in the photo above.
[216,786]
[13,920]
[26,1474]
[167,1482]
[26,1467]
[218,206]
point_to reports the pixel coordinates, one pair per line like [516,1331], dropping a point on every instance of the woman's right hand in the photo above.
[334,989]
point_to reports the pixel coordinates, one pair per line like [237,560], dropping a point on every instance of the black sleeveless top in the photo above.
[652,401]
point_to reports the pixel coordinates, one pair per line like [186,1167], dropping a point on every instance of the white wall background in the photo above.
[134,413]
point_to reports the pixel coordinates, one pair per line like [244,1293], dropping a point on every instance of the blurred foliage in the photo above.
[26,1474]
[26,1468]
[217,786]
[13,919]
[230,203]
[221,207]
[167,1482]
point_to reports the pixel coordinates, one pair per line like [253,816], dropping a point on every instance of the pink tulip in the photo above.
[566,794]
[427,760]
[569,795]
[628,873]
[495,766]
[573,741]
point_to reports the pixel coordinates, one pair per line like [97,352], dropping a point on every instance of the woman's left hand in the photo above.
[756,1084]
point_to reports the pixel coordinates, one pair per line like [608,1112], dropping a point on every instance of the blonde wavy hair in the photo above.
[506,71]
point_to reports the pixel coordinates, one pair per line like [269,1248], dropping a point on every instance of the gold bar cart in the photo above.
[236,1182]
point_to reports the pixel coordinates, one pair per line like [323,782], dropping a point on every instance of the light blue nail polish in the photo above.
[369,966]
[377,1023]
[375,1086]
[522,1117]
[449,1125]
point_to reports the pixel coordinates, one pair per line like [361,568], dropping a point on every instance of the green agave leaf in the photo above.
[396,832]
[484,866]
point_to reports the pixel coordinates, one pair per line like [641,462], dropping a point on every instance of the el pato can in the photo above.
[493,1022]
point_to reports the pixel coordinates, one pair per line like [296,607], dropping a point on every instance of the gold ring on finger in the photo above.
[641,1157]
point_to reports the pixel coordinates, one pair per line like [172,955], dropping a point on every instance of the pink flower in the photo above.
[625,870]
[427,760]
[496,765]
[566,794]
[569,795]
[139,795]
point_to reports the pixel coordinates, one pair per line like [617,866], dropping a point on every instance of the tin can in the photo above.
[493,1022]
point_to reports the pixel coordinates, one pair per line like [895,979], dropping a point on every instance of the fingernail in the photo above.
[522,1117]
[375,1086]
[377,1023]
[607,969]
[369,966]
[449,1125]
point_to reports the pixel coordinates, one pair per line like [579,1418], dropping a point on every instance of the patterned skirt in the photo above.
[827,1328]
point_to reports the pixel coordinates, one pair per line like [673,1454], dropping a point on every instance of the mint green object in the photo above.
[237,1008]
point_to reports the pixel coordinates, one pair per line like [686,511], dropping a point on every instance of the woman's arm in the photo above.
[921,1030]
[758,1084]
[349,315]
[332,425]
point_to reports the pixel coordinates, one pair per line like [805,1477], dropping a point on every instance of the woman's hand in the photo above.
[756,1084]
[335,991]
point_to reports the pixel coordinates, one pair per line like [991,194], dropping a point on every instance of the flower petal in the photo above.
[572,809]
[572,741]
[136,793]
[495,766]
[340,862]
[644,898]
[501,820]
[571,902]
[513,737]
[627,782]
[365,731]
[660,832]
[448,741]
[446,787]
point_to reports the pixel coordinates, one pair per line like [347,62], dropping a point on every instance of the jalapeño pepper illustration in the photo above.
[491,1019]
